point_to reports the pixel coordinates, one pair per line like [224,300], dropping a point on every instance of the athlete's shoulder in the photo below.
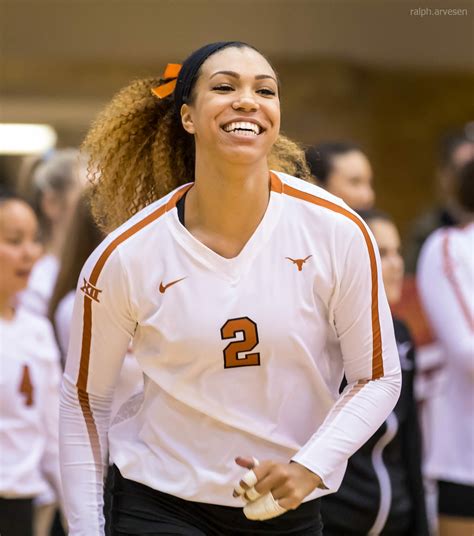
[147,216]
[36,322]
[461,237]
[432,246]
[38,330]
[319,200]
[131,232]
[449,247]
[304,186]
[308,192]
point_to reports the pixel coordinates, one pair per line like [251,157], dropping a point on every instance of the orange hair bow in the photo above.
[171,71]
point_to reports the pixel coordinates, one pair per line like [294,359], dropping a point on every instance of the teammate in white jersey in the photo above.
[446,281]
[29,378]
[248,294]
[53,189]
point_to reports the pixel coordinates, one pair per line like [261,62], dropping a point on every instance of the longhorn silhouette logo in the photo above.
[299,262]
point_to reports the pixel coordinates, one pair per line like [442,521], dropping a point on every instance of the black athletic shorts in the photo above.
[138,509]
[455,500]
[16,517]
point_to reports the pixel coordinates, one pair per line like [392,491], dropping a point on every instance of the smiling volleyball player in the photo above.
[248,293]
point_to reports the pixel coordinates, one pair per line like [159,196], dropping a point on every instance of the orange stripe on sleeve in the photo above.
[87,319]
[377,361]
[342,402]
[449,271]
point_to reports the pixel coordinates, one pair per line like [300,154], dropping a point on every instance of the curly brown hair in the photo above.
[138,152]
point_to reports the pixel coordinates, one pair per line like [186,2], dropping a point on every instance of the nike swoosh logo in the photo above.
[163,288]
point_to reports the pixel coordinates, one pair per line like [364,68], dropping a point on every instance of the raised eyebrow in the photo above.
[237,75]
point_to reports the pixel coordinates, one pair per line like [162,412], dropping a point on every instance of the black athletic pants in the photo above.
[140,510]
[16,517]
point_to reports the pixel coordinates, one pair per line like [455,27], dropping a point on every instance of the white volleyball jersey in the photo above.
[130,382]
[241,356]
[445,277]
[40,288]
[62,320]
[29,402]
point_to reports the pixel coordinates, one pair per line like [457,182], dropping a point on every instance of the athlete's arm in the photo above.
[50,417]
[446,290]
[102,326]
[363,324]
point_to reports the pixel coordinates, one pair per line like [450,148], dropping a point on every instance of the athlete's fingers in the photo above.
[289,503]
[251,494]
[283,492]
[238,490]
[283,486]
[275,475]
[288,496]
[248,463]
[249,479]
[266,507]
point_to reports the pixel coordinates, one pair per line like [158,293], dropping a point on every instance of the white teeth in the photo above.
[243,127]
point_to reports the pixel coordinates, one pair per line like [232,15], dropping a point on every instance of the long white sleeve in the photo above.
[101,331]
[50,414]
[364,329]
[62,321]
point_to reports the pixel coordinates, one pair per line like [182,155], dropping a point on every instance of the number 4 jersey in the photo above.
[30,377]
[241,356]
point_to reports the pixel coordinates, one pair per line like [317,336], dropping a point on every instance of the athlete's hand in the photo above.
[273,486]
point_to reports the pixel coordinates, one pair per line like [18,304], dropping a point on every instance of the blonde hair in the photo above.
[138,151]
[58,173]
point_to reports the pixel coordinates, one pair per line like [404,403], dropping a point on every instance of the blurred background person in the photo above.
[446,283]
[52,183]
[82,237]
[382,491]
[344,170]
[29,378]
[53,189]
[455,149]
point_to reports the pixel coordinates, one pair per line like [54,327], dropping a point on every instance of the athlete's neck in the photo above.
[225,206]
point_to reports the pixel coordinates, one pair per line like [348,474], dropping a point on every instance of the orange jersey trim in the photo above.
[377,361]
[87,319]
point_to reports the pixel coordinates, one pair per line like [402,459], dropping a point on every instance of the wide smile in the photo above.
[243,128]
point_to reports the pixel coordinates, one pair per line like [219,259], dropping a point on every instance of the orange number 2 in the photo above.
[248,329]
